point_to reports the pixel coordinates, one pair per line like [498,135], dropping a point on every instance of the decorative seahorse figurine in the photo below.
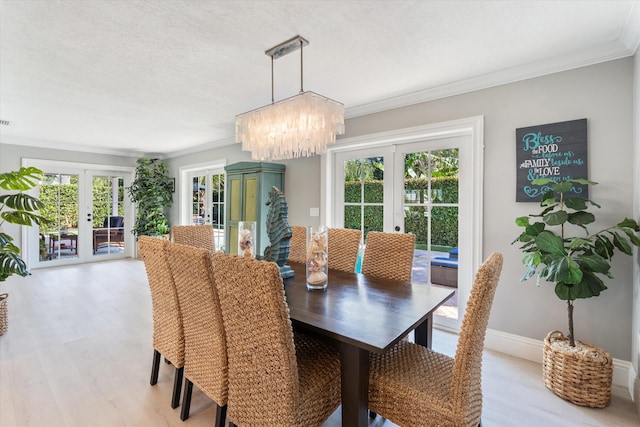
[278,228]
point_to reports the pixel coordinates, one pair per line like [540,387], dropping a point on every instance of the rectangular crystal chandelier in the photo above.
[300,126]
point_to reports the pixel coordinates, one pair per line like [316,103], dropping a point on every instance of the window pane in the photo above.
[374,180]
[416,222]
[444,184]
[444,226]
[373,219]
[353,217]
[217,206]
[352,181]
[197,199]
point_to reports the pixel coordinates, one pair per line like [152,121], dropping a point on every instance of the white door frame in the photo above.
[471,185]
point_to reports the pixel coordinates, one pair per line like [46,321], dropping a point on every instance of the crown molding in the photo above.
[603,53]
[203,147]
[630,35]
[55,145]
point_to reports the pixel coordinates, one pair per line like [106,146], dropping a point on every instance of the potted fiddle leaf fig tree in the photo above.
[19,208]
[152,191]
[558,248]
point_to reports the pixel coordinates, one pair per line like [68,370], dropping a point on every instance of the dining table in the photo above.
[362,314]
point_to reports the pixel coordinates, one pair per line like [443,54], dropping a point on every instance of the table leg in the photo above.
[355,386]
[424,332]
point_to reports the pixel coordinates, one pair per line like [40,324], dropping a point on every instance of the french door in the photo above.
[426,181]
[105,211]
[206,196]
[89,212]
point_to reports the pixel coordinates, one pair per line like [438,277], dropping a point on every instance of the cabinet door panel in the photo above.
[233,240]
[250,199]
[235,204]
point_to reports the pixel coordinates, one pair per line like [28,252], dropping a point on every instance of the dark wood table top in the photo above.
[365,312]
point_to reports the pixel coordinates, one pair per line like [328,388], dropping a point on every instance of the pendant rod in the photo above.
[301,78]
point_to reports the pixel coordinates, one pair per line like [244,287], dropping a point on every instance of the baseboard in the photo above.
[529,349]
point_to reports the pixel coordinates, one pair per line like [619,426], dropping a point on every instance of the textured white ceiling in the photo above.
[165,76]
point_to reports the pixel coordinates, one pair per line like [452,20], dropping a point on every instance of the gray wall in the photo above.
[602,93]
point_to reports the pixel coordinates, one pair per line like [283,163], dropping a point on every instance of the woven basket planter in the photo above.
[4,318]
[580,374]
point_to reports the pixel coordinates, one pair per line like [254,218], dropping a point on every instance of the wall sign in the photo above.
[556,151]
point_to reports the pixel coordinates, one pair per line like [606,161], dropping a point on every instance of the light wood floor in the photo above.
[78,353]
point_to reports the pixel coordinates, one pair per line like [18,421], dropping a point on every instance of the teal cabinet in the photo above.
[248,186]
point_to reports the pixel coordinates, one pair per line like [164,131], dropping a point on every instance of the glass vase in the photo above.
[317,257]
[247,239]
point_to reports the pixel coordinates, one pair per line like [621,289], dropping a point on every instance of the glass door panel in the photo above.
[430,205]
[217,209]
[363,194]
[59,239]
[107,212]
[198,199]
[207,202]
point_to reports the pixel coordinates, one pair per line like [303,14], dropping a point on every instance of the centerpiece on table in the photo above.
[317,257]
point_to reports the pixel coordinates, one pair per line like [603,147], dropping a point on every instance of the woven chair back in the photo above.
[199,236]
[466,392]
[388,255]
[263,373]
[298,250]
[168,332]
[344,245]
[205,345]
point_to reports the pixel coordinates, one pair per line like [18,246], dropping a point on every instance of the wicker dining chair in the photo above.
[344,245]
[388,255]
[205,360]
[411,385]
[274,378]
[168,333]
[199,236]
[298,242]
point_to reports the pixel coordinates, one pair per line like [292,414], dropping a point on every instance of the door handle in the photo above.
[397,228]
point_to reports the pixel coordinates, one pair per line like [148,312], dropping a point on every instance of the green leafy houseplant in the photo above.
[17,208]
[576,264]
[151,190]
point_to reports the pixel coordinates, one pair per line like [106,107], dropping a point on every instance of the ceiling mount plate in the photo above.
[287,47]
